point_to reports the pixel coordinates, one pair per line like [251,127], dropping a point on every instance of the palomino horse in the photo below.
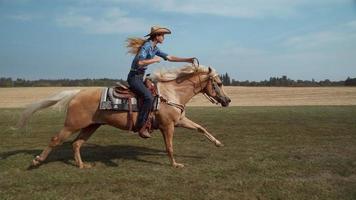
[176,88]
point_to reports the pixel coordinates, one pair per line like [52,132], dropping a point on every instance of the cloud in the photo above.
[321,54]
[352,24]
[15,1]
[336,37]
[227,8]
[102,21]
[247,9]
[259,64]
[21,17]
[231,8]
[316,40]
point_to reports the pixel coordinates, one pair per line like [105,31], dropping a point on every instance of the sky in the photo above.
[250,40]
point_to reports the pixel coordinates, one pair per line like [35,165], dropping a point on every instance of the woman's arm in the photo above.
[177,59]
[148,61]
[169,58]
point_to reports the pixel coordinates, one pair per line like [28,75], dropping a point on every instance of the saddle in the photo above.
[121,98]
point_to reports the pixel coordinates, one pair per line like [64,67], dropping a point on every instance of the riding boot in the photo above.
[141,128]
[146,129]
[144,133]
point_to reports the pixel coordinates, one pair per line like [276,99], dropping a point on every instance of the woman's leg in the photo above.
[137,85]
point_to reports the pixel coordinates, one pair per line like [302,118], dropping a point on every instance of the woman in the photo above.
[146,52]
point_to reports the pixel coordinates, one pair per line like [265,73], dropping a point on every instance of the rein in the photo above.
[181,107]
[212,100]
[196,66]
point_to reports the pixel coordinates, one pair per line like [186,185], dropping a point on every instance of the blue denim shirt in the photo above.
[146,52]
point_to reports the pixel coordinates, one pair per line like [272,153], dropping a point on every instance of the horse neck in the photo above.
[184,91]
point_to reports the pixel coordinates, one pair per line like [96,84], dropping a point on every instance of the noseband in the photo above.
[215,88]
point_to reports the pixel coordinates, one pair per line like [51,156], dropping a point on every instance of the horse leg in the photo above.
[187,123]
[55,141]
[167,132]
[83,136]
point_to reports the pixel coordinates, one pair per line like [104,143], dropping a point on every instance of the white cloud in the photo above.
[338,36]
[22,17]
[322,54]
[102,21]
[231,8]
[246,63]
[15,1]
[226,8]
[352,24]
[316,40]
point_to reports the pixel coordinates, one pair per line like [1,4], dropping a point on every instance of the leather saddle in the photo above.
[122,91]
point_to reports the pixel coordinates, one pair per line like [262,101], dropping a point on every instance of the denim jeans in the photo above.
[135,81]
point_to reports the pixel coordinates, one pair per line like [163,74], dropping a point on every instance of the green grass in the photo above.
[269,153]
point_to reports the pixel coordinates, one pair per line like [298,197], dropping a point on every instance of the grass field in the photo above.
[305,152]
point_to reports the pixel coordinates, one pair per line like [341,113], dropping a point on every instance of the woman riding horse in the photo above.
[146,53]
[177,87]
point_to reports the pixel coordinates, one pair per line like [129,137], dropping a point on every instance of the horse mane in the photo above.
[164,75]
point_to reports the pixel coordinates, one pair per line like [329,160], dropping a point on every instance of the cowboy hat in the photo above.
[158,30]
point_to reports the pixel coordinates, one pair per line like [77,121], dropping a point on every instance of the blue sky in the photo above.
[250,40]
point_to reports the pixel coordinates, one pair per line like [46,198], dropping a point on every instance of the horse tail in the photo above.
[63,98]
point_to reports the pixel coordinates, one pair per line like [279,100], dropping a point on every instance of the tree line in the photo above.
[9,82]
[225,78]
[284,81]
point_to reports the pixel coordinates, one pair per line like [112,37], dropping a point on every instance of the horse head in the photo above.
[214,89]
[203,80]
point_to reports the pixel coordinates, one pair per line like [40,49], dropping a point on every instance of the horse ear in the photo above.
[210,70]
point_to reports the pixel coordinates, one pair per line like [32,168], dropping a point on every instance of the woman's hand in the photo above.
[193,59]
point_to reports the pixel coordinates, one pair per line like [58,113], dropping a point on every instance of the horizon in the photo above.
[231,78]
[251,41]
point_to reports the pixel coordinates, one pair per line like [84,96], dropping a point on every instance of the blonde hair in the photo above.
[134,44]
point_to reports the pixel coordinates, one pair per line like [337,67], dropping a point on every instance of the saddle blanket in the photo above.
[109,102]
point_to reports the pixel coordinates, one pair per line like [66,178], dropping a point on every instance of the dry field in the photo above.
[241,96]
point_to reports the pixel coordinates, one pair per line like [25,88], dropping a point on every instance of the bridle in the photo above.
[215,88]
[211,80]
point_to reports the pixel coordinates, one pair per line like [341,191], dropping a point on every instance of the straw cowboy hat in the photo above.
[158,30]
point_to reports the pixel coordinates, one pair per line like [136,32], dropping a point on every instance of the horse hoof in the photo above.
[34,164]
[178,165]
[37,161]
[85,166]
[219,144]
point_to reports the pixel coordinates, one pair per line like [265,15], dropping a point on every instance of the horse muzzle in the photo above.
[224,101]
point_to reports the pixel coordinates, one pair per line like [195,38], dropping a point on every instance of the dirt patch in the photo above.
[240,96]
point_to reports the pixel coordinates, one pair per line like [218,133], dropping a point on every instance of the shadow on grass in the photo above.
[96,153]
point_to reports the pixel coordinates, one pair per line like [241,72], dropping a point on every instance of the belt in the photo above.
[136,72]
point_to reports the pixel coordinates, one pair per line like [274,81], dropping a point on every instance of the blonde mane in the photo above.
[164,75]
